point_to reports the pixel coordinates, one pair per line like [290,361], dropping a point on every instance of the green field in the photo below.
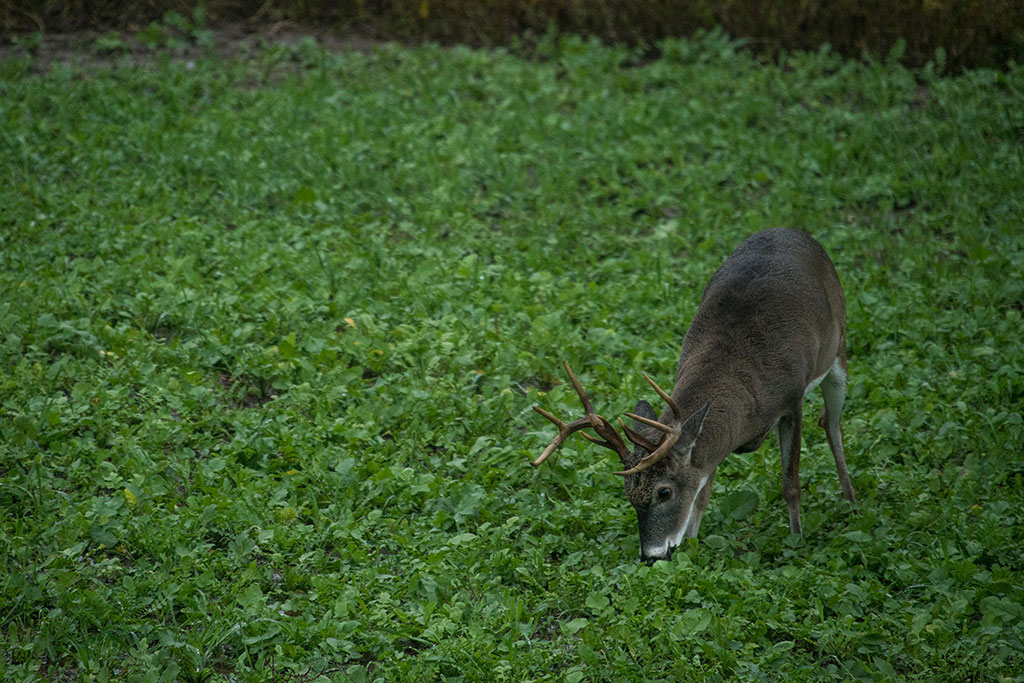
[271,327]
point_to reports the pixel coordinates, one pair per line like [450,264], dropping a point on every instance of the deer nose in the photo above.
[661,554]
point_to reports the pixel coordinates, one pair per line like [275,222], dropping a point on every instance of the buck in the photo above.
[770,328]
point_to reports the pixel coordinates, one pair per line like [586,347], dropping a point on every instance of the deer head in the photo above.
[664,478]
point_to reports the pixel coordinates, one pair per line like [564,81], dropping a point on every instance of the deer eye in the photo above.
[664,493]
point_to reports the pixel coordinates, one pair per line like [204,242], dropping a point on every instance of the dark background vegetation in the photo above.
[958,33]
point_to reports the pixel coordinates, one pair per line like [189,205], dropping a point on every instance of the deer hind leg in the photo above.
[788,430]
[833,388]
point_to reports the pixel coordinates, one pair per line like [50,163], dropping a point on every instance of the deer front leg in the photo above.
[788,429]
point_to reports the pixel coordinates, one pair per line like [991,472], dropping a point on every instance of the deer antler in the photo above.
[609,436]
[666,398]
[671,433]
[638,438]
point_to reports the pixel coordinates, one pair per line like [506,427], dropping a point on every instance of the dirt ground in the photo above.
[138,44]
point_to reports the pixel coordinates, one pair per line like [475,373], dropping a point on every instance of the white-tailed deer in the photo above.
[771,326]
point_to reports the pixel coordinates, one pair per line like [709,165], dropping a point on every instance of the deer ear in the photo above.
[643,409]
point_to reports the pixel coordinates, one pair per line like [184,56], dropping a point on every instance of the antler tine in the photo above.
[579,389]
[651,423]
[665,397]
[636,438]
[657,456]
[565,429]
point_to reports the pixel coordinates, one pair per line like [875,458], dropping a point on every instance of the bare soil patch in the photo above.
[103,48]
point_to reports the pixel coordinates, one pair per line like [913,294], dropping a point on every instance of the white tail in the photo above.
[771,327]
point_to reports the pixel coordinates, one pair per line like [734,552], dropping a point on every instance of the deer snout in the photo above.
[652,552]
[658,543]
[650,557]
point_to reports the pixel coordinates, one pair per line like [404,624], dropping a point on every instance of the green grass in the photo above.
[271,328]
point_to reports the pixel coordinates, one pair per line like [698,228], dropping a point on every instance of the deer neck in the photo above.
[733,405]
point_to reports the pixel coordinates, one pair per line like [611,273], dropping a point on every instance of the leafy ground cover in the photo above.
[272,325]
